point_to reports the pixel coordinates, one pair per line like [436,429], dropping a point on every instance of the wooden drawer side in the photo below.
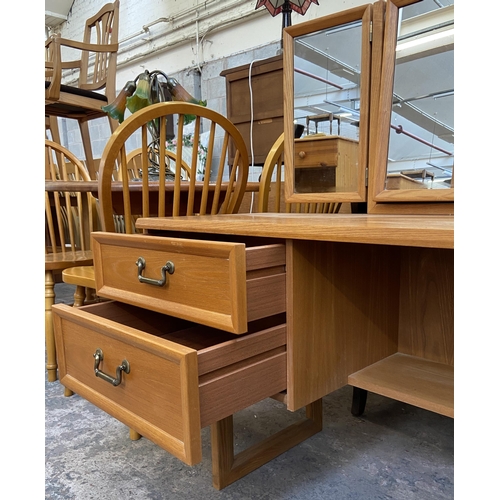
[234,388]
[266,281]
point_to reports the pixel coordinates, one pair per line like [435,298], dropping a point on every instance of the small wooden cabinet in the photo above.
[267,94]
[325,164]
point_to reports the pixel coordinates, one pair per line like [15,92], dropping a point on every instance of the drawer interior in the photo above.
[183,332]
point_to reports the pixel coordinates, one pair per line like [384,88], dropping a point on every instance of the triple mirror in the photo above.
[326,96]
[369,107]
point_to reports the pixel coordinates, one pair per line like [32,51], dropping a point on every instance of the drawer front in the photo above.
[173,365]
[208,284]
[315,153]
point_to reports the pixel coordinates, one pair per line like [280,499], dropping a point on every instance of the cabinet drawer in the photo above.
[183,376]
[318,152]
[219,284]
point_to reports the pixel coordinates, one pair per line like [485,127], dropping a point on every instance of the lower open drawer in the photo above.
[182,376]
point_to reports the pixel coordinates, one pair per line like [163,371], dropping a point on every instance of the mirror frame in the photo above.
[381,200]
[364,14]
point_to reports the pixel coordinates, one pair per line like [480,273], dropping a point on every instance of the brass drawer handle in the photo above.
[124,367]
[167,268]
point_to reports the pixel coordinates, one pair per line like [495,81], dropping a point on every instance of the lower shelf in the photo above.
[410,379]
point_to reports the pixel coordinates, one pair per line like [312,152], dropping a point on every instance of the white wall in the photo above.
[192,40]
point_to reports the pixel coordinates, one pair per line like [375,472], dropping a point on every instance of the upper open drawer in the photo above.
[219,284]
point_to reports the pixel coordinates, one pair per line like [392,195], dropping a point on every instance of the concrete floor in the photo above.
[394,451]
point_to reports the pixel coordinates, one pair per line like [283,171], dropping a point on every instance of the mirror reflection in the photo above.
[327,70]
[421,141]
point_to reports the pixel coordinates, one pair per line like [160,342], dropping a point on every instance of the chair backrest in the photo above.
[208,138]
[134,164]
[66,223]
[96,63]
[101,29]
[271,198]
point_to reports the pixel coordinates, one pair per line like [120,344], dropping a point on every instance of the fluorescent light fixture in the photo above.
[429,39]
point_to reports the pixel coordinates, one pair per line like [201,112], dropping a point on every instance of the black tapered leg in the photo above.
[358,401]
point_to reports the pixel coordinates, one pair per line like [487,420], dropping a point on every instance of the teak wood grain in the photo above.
[419,231]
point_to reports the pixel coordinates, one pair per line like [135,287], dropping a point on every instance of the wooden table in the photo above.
[135,188]
[369,300]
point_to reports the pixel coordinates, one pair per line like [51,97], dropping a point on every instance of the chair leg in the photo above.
[50,344]
[134,435]
[87,147]
[79,297]
[228,467]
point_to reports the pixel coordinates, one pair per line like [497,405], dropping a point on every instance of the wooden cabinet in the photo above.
[325,164]
[267,94]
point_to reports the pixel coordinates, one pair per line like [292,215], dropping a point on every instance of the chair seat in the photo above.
[63,260]
[80,276]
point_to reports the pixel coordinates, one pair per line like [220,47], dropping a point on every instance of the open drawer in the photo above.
[180,377]
[220,284]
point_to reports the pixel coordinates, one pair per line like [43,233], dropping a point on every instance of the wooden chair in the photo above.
[271,186]
[134,163]
[224,184]
[68,223]
[96,74]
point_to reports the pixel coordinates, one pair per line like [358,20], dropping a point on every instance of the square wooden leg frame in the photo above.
[228,467]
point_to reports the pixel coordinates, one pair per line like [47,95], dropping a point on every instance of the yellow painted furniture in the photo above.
[95,68]
[68,223]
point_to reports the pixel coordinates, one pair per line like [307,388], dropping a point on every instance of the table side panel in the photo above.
[426,315]
[342,306]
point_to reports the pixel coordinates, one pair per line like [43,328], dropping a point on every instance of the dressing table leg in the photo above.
[358,401]
[227,468]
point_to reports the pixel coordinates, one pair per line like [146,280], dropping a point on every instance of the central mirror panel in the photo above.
[326,74]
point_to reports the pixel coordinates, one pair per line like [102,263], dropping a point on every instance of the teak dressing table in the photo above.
[330,300]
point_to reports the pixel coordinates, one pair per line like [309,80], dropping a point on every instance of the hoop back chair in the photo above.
[221,190]
[134,163]
[271,185]
[95,67]
[69,220]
